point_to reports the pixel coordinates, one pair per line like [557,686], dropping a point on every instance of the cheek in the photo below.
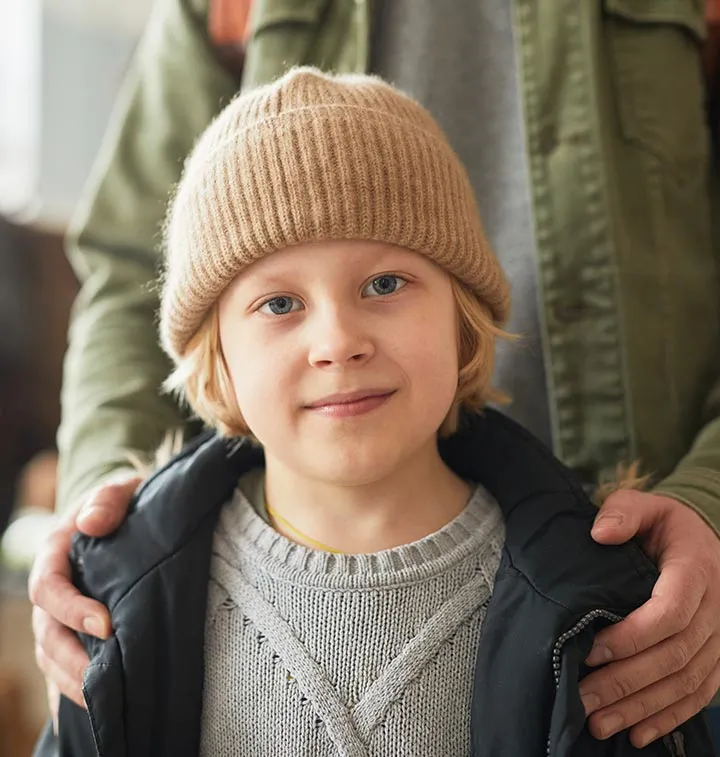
[263,380]
[429,354]
[254,372]
[255,380]
[441,365]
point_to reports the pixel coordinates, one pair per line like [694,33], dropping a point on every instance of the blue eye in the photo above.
[280,305]
[383,285]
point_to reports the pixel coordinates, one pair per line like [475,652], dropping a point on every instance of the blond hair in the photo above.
[202,378]
[627,477]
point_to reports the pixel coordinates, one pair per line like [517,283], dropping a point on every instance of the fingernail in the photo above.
[608,520]
[95,627]
[591,702]
[647,736]
[599,654]
[610,724]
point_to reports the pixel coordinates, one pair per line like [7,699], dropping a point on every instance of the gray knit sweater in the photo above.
[318,654]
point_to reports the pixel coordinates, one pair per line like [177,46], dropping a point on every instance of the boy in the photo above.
[387,570]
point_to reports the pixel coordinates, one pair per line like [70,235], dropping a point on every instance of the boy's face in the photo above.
[343,357]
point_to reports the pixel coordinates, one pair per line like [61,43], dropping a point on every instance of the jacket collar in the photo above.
[159,558]
[532,488]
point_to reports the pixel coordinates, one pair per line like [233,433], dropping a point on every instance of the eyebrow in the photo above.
[271,282]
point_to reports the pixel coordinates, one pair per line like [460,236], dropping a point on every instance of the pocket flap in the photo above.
[267,13]
[687,13]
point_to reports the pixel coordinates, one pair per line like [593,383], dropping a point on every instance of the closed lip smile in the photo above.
[350,398]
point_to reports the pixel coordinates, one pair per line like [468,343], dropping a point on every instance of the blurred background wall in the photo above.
[61,63]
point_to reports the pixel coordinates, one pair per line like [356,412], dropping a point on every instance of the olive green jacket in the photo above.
[619,160]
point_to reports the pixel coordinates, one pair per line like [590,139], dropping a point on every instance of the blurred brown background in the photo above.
[36,291]
[61,66]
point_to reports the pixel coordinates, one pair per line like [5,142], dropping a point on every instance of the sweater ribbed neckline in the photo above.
[245,536]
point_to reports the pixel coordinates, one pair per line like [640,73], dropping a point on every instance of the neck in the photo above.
[410,503]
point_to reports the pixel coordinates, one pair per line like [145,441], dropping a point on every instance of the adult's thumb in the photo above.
[106,507]
[619,518]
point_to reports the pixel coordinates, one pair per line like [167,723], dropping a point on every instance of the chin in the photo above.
[355,465]
[350,475]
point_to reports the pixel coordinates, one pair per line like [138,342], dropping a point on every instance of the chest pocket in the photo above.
[269,14]
[655,54]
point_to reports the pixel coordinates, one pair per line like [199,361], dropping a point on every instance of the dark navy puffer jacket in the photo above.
[555,588]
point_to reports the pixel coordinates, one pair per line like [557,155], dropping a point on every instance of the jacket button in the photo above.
[547,139]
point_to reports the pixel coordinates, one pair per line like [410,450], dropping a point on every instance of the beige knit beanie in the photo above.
[317,157]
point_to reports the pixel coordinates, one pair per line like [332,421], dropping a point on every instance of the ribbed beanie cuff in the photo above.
[315,157]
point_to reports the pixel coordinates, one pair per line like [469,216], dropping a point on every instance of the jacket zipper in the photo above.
[578,628]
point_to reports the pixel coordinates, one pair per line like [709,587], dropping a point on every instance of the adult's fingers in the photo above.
[676,655]
[671,717]
[666,692]
[67,685]
[53,700]
[59,644]
[673,606]
[49,588]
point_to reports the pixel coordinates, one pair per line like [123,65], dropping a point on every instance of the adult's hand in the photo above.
[664,657]
[59,608]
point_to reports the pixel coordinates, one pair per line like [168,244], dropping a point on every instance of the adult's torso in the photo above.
[617,152]
[462,66]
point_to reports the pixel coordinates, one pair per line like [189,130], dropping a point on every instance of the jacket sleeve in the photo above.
[111,403]
[696,479]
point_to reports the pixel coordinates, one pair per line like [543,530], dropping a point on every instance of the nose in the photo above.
[338,338]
